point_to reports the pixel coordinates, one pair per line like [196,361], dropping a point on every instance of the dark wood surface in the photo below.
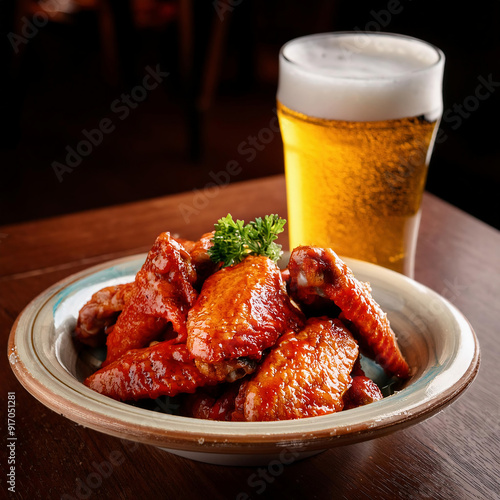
[454,455]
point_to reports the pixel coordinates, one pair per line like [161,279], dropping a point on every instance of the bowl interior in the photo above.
[419,321]
[435,338]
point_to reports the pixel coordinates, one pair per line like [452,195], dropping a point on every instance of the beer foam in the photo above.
[361,77]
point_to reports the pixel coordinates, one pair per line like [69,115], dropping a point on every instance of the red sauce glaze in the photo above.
[241,311]
[362,392]
[202,262]
[164,369]
[163,294]
[304,375]
[316,273]
[241,324]
[212,403]
[100,312]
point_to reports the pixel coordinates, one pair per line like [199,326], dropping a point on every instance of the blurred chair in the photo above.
[199,60]
[118,22]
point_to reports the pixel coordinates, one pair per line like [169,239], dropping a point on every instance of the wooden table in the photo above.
[454,455]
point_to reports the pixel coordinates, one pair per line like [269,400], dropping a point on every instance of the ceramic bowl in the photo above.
[436,339]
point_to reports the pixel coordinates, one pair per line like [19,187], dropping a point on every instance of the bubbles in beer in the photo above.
[355,186]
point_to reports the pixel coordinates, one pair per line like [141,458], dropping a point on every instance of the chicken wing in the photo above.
[202,262]
[164,369]
[100,312]
[212,403]
[241,311]
[163,294]
[304,375]
[363,391]
[320,273]
[198,250]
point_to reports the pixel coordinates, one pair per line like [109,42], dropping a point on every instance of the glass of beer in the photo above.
[358,115]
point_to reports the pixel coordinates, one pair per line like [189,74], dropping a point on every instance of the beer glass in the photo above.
[358,115]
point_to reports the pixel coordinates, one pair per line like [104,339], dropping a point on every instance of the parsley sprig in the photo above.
[233,240]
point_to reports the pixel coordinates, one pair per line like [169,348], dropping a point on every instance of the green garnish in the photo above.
[233,240]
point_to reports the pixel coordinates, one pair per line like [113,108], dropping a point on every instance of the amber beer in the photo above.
[358,122]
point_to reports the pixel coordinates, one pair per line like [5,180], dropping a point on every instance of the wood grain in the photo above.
[454,455]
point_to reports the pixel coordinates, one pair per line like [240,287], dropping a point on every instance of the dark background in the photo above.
[66,75]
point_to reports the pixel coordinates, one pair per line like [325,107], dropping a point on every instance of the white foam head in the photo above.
[361,76]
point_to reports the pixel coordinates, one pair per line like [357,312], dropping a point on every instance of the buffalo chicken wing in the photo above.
[163,294]
[241,311]
[163,369]
[304,375]
[235,341]
[318,273]
[100,312]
